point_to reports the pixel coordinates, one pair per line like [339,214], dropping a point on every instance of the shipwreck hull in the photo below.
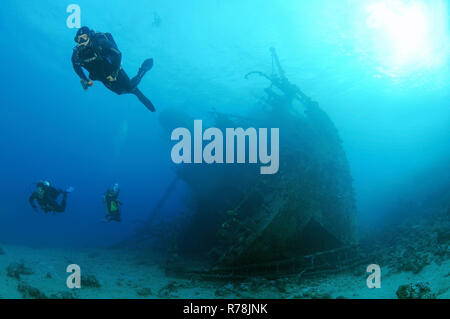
[238,217]
[241,217]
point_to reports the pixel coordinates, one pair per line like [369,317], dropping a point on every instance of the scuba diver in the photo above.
[112,204]
[46,197]
[98,53]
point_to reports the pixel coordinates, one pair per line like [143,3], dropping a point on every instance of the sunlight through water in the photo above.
[409,36]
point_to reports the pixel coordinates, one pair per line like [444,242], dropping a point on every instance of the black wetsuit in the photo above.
[101,58]
[47,201]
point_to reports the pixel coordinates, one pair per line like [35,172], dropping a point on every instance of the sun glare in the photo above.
[405,32]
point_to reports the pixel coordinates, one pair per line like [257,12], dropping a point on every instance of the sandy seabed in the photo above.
[124,274]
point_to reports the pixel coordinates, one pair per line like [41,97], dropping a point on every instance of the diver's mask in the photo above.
[116,188]
[43,184]
[82,39]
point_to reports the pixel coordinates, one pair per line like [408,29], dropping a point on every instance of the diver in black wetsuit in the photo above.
[99,55]
[46,195]
[112,204]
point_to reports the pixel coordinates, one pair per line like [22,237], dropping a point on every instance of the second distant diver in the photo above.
[46,197]
[112,204]
[98,53]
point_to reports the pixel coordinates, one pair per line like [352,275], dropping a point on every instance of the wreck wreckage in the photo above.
[243,223]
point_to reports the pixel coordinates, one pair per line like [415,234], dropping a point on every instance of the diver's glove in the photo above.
[69,190]
[113,76]
[86,84]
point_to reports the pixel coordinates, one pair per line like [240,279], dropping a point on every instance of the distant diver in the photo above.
[112,204]
[46,196]
[98,53]
[156,20]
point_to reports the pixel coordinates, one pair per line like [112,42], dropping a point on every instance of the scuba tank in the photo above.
[114,206]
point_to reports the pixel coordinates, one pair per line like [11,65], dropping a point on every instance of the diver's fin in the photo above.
[147,65]
[148,104]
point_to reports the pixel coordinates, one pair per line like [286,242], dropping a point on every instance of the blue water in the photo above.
[390,105]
